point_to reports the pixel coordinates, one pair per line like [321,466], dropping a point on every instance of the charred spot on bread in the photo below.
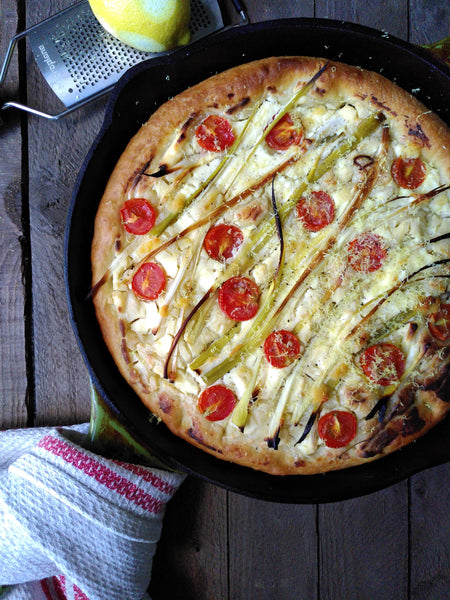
[136,176]
[383,105]
[418,134]
[411,422]
[376,444]
[194,434]
[165,403]
[238,106]
[185,127]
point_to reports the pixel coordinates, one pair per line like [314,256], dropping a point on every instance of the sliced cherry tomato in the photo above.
[215,133]
[138,216]
[284,134]
[316,210]
[383,363]
[337,428]
[216,402]
[439,323]
[238,298]
[222,241]
[281,348]
[367,252]
[148,281]
[408,173]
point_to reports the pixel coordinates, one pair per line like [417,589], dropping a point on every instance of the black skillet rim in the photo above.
[245,44]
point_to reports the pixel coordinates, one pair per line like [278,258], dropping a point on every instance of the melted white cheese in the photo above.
[323,312]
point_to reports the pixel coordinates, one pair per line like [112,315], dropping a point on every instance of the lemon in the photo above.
[149,25]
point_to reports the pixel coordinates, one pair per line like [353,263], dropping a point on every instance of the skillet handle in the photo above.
[440,50]
[109,437]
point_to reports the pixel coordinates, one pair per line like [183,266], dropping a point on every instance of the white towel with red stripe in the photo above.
[75,525]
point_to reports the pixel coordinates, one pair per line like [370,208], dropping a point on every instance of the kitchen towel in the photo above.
[75,525]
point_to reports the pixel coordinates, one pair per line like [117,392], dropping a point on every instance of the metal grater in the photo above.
[81,61]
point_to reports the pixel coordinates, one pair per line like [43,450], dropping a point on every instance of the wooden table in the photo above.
[216,545]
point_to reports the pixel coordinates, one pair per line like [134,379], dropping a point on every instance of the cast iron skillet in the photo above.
[135,97]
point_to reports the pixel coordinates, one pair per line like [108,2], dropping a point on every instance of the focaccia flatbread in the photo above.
[271,265]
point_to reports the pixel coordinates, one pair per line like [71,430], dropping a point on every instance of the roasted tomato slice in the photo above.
[148,281]
[281,348]
[238,298]
[367,252]
[439,323]
[408,173]
[222,241]
[216,402]
[383,363]
[215,133]
[284,134]
[337,428]
[316,210]
[137,216]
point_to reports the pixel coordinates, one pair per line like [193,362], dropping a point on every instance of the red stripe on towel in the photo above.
[150,477]
[78,594]
[101,474]
[52,589]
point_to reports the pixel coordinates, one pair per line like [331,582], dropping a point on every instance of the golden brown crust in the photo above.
[230,92]
[413,122]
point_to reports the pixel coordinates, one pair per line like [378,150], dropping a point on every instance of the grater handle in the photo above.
[109,437]
[240,8]
[34,111]
[20,35]
[440,50]
[8,57]
[3,73]
[55,117]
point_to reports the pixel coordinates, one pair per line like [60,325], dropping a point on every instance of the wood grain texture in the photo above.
[56,151]
[391,17]
[359,539]
[13,372]
[429,544]
[430,535]
[191,561]
[429,21]
[265,11]
[273,550]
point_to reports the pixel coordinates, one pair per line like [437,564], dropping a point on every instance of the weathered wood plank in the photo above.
[56,151]
[364,546]
[429,21]
[273,550]
[192,556]
[430,534]
[266,10]
[429,499]
[13,377]
[391,17]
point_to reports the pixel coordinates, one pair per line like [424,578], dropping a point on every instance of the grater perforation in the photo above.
[199,18]
[89,53]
